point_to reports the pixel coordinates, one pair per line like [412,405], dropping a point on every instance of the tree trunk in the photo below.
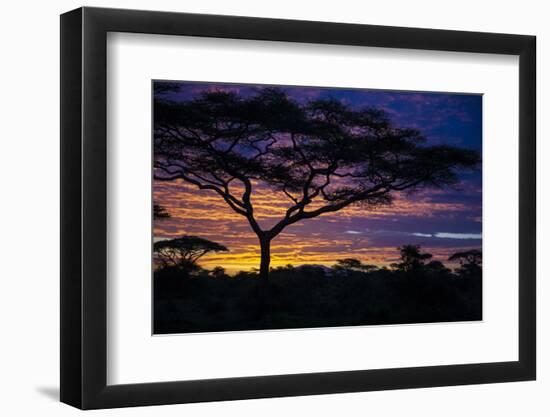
[265,247]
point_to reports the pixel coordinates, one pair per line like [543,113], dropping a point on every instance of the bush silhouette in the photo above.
[315,296]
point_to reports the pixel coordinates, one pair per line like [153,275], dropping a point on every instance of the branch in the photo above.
[377,191]
[295,200]
[229,199]
[221,187]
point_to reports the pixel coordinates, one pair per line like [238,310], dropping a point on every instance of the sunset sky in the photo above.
[442,221]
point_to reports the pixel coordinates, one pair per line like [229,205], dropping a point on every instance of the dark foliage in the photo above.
[470,262]
[160,212]
[183,252]
[314,296]
[351,264]
[411,258]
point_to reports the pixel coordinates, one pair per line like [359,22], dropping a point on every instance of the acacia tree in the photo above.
[470,261]
[352,264]
[411,258]
[321,157]
[160,212]
[185,251]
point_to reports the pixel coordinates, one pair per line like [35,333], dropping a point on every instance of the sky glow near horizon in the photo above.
[442,221]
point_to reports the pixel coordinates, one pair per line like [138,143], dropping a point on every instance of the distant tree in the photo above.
[218,272]
[160,212]
[470,261]
[411,258]
[437,268]
[352,264]
[183,252]
[321,156]
[473,256]
[311,270]
[283,268]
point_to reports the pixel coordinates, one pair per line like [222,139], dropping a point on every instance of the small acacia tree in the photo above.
[183,252]
[411,258]
[470,261]
[160,212]
[321,157]
[352,264]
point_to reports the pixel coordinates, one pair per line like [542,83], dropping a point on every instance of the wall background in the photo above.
[29,219]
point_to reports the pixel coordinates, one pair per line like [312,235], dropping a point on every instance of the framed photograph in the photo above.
[257,208]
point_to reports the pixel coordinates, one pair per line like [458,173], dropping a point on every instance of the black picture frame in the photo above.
[84,207]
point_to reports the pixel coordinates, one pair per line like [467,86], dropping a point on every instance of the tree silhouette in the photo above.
[160,212]
[352,264]
[437,268]
[411,258]
[321,156]
[218,272]
[183,252]
[470,262]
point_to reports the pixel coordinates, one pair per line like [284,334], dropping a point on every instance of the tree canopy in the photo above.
[467,257]
[470,261]
[411,258]
[352,264]
[160,212]
[185,250]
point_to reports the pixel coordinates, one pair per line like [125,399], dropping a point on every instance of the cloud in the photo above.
[443,235]
[458,235]
[353,232]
